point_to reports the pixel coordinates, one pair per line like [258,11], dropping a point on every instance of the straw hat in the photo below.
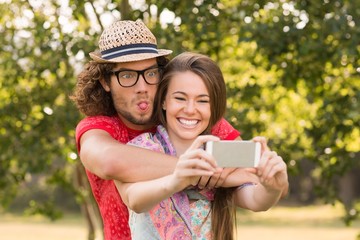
[127,41]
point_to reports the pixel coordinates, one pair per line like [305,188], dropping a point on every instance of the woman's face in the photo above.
[187,105]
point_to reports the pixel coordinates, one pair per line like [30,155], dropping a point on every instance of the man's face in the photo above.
[134,105]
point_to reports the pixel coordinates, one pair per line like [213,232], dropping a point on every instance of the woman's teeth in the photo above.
[188,122]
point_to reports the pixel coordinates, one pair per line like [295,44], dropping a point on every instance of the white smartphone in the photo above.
[235,153]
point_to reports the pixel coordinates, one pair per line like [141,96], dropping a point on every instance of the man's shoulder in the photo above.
[224,130]
[110,124]
[101,122]
[100,119]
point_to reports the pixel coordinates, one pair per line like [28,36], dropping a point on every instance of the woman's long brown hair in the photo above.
[223,211]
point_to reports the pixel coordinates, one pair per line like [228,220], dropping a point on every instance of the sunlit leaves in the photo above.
[37,119]
[297,82]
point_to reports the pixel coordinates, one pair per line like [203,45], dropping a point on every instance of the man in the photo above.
[116,92]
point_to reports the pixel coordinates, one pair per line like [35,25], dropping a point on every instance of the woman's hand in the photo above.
[193,164]
[272,182]
[272,170]
[263,143]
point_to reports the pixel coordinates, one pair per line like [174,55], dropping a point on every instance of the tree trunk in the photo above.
[88,205]
[125,10]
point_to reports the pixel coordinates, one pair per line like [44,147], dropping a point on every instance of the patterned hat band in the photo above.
[128,50]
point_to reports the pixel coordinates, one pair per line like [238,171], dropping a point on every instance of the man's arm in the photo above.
[144,195]
[109,159]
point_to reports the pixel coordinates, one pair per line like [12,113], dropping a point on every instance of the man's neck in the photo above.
[136,127]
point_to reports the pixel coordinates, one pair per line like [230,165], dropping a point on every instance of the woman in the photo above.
[190,99]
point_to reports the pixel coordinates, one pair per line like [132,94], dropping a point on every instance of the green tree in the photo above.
[311,110]
[36,117]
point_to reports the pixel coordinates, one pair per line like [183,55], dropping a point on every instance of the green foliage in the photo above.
[37,119]
[318,58]
[291,67]
[304,92]
[47,209]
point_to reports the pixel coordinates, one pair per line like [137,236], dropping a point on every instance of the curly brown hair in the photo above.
[89,96]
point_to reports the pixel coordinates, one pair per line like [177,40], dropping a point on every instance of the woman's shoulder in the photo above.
[148,141]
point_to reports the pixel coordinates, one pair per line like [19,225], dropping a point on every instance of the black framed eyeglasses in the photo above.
[128,78]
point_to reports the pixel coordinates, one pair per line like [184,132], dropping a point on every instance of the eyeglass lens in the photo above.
[128,78]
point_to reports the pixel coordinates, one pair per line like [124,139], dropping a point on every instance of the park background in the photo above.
[292,70]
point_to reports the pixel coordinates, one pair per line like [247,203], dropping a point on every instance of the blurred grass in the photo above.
[16,227]
[321,222]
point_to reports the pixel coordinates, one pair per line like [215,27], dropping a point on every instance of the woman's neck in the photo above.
[180,145]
